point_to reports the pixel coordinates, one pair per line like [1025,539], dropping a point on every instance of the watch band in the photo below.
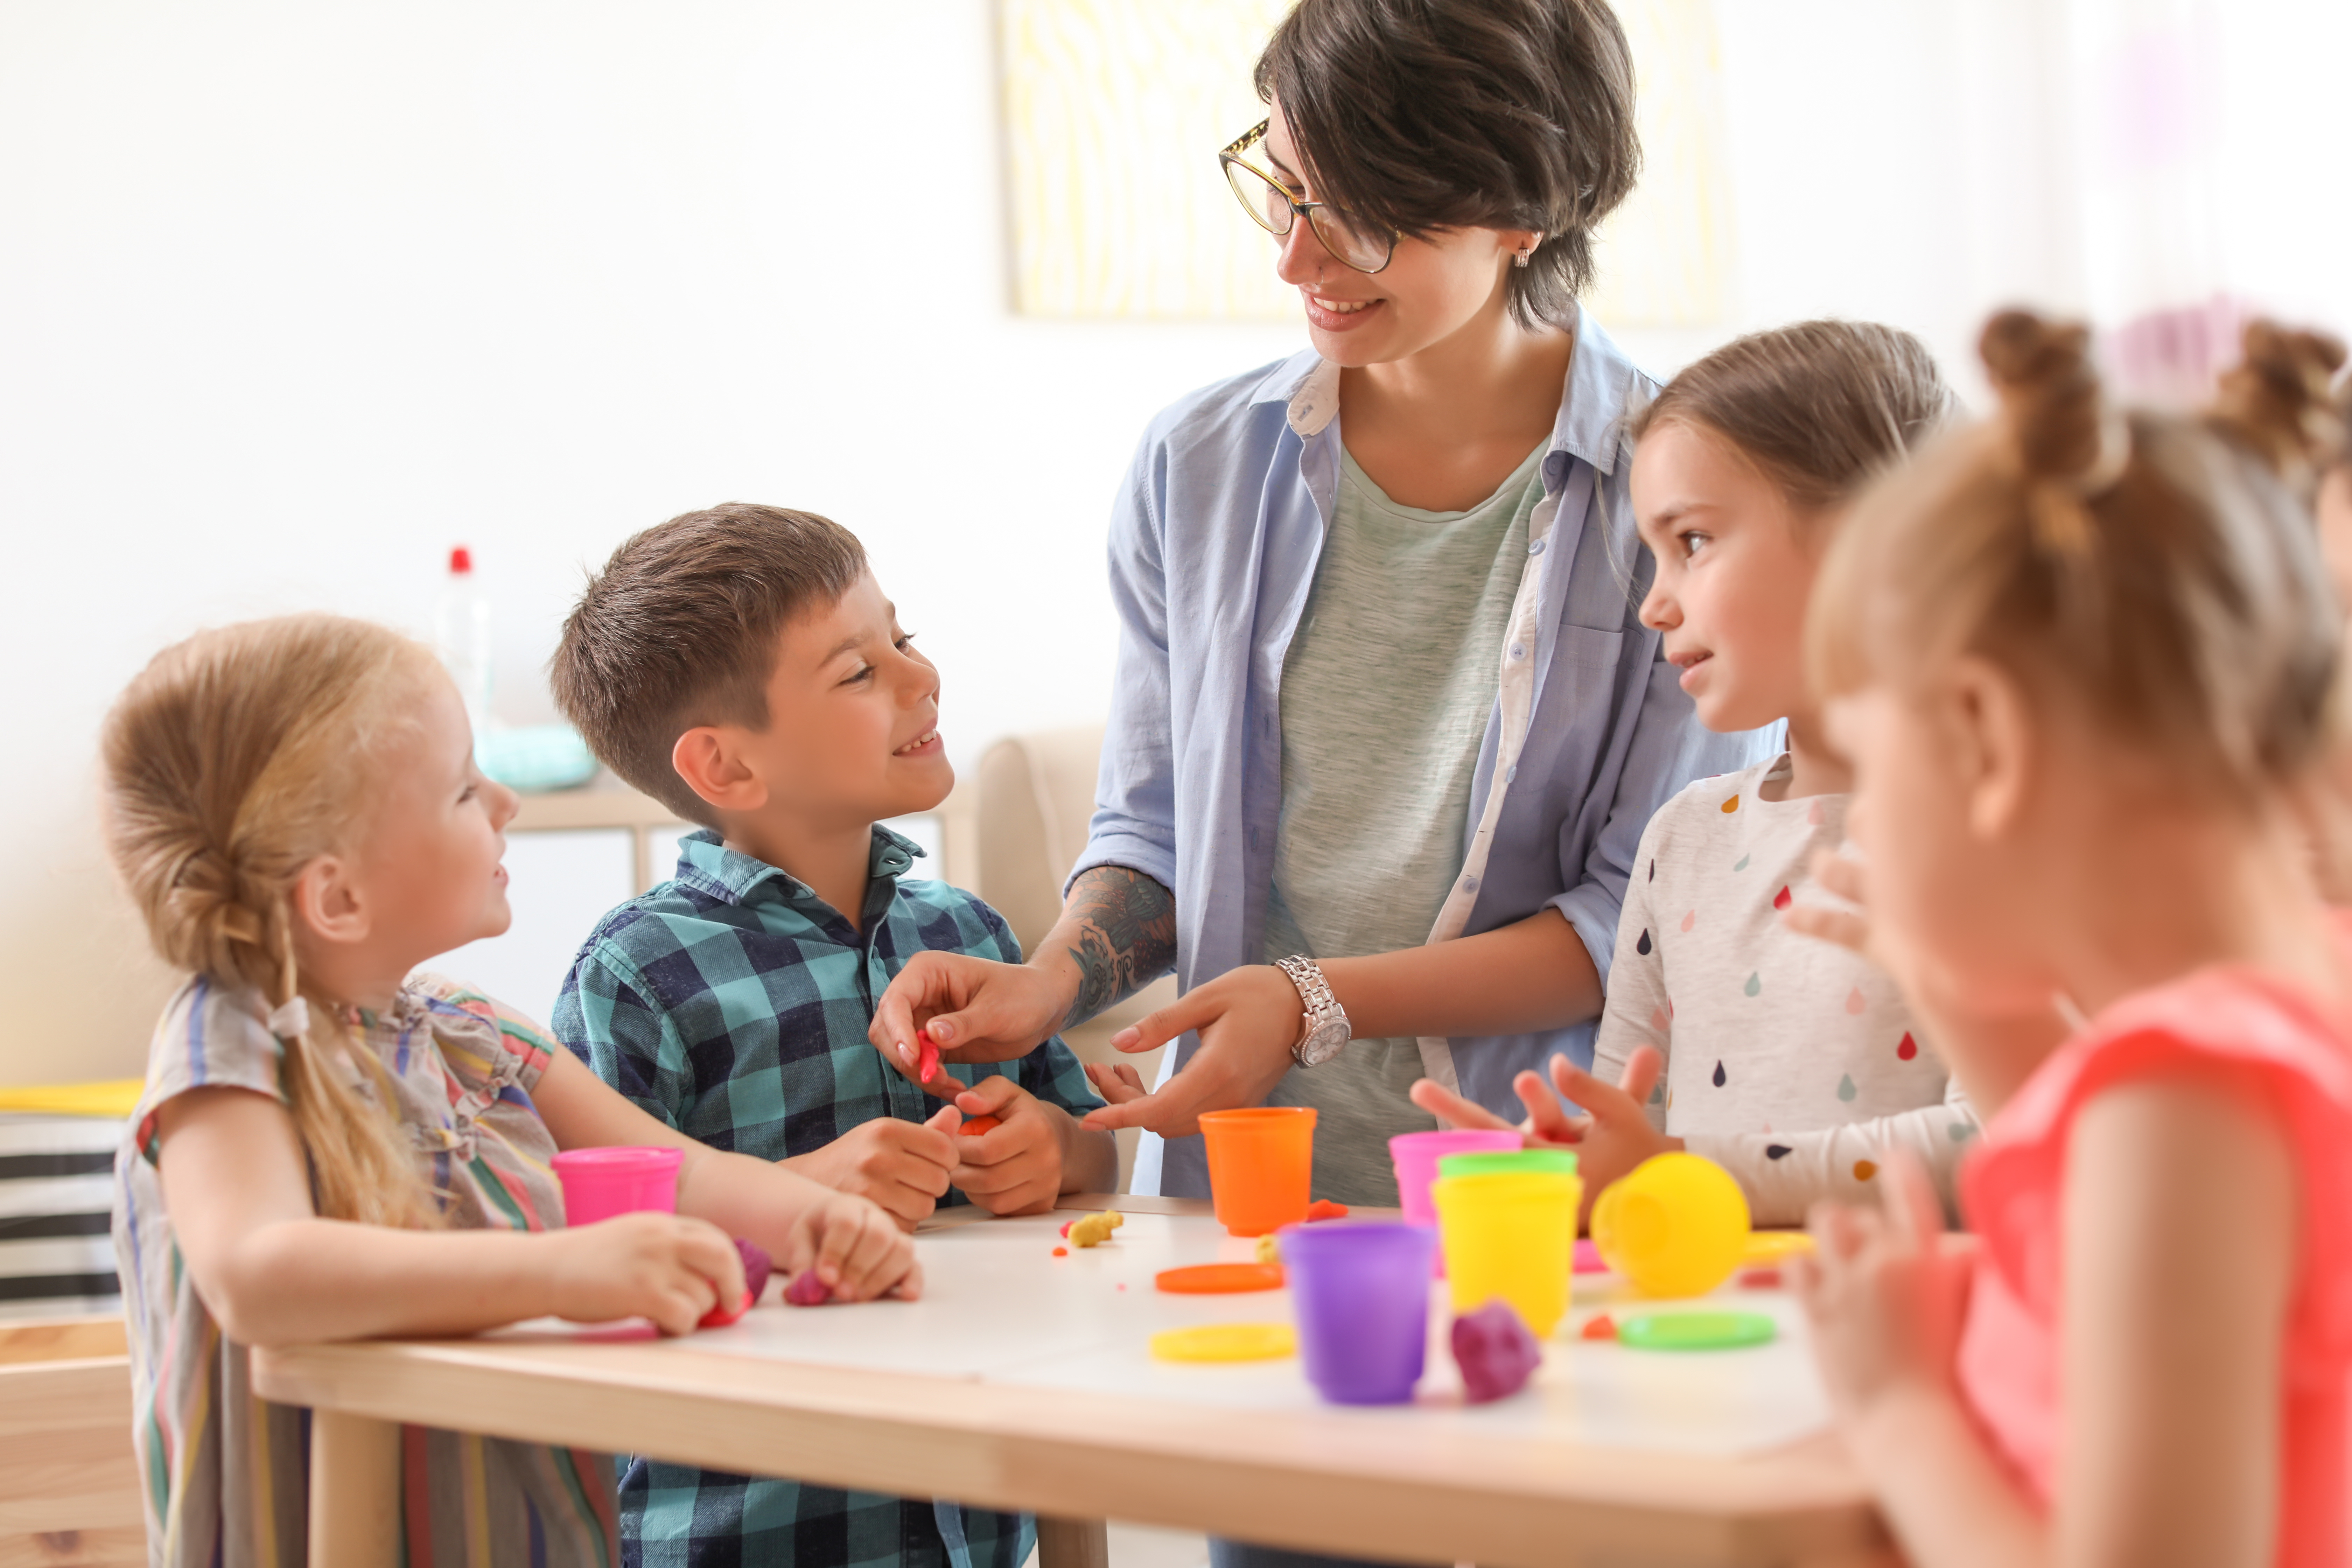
[1323,1024]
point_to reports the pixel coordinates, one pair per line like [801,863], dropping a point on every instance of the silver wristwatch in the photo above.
[1325,1028]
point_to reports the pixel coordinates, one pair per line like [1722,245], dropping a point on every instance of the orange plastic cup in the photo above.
[1260,1162]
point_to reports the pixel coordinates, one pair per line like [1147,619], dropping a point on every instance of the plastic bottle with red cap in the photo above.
[461,634]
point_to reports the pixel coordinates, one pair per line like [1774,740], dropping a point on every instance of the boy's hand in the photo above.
[902,1167]
[1015,1167]
[855,1247]
[1612,1137]
[1885,1290]
[1249,1019]
[659,1266]
[977,1009]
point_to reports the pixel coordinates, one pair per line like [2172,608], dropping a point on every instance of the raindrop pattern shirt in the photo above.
[1789,1061]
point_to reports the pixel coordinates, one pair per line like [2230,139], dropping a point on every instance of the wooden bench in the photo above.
[69,1482]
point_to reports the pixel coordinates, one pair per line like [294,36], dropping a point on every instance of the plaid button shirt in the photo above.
[731,1002]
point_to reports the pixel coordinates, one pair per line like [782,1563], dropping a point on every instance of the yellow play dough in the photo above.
[1226,1341]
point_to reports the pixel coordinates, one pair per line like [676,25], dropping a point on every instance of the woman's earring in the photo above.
[1521,258]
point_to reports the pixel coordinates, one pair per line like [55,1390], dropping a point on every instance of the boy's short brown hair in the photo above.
[681,630]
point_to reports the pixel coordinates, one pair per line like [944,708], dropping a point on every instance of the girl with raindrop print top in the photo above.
[1788,1060]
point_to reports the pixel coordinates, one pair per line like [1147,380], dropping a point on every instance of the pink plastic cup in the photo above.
[601,1183]
[1416,1156]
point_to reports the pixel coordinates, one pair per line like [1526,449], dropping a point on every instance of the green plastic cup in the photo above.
[1558,1162]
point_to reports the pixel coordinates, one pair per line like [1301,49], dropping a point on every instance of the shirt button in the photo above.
[1519,650]
[1469,884]
[1535,546]
[1511,773]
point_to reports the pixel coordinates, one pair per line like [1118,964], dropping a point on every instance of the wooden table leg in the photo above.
[354,1491]
[1072,1543]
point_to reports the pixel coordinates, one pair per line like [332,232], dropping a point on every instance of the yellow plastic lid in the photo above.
[1227,1342]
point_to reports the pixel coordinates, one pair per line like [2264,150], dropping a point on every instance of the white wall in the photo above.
[294,296]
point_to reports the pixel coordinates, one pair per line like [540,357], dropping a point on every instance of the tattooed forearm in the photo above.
[1119,928]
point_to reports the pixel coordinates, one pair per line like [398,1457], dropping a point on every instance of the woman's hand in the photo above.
[1886,1291]
[1248,1020]
[976,1009]
[659,1266]
[1613,1135]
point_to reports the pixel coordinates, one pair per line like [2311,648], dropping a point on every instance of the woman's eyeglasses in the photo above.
[1273,207]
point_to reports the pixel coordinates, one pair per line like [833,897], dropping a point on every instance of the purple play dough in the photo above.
[807,1291]
[757,1266]
[1494,1350]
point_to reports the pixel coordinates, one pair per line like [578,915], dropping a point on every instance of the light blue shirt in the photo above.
[1214,545]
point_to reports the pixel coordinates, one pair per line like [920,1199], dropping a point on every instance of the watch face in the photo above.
[1322,1045]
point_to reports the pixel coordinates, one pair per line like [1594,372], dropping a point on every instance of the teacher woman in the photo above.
[1386,728]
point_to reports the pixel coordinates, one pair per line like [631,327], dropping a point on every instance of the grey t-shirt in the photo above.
[1386,692]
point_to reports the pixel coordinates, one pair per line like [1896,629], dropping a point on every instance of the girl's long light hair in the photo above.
[233,761]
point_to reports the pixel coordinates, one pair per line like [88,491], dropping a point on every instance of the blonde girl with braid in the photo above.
[2083,663]
[331,1146]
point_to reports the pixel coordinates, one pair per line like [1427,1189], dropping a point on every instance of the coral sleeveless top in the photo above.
[2293,1055]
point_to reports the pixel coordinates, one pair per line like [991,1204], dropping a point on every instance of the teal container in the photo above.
[1559,1162]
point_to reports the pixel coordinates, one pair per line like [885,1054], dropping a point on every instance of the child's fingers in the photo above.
[1840,874]
[1449,1107]
[946,1119]
[1834,926]
[1602,1102]
[1642,1071]
[1116,1082]
[1914,1215]
[995,1095]
[1548,1120]
[877,1257]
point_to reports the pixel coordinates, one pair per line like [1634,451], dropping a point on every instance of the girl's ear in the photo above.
[1995,752]
[327,904]
[706,759]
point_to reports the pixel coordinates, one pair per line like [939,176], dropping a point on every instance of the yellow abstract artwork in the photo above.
[1114,110]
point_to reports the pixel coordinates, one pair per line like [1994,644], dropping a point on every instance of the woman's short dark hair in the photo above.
[1428,114]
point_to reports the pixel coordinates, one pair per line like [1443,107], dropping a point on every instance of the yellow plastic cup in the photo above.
[1675,1224]
[1510,1234]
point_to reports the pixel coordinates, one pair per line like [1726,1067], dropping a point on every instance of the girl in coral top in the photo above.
[2081,661]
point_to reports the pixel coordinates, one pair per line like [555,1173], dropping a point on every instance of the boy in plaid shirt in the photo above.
[741,666]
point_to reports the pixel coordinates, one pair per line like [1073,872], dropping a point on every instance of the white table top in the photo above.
[1024,1381]
[999,1309]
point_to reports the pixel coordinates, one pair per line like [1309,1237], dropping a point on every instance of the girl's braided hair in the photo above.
[234,759]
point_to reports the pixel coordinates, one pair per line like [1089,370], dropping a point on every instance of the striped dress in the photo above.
[226,1473]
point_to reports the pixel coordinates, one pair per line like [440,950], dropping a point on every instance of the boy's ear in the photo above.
[714,768]
[1996,753]
[327,904]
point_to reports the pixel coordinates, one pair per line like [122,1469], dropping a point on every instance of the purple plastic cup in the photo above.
[601,1183]
[1415,1157]
[1360,1293]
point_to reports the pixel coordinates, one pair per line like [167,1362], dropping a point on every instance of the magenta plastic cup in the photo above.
[1361,1296]
[1415,1157]
[601,1183]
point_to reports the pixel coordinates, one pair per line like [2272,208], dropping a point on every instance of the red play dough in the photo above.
[927,1057]
[1599,1328]
[757,1266]
[1324,1208]
[807,1291]
[980,1124]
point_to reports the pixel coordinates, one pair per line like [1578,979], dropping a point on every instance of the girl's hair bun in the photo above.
[2063,429]
[2276,401]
